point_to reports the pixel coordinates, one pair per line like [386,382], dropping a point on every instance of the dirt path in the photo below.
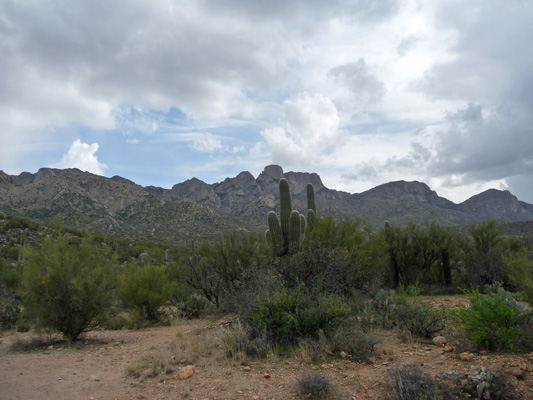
[97,369]
[94,371]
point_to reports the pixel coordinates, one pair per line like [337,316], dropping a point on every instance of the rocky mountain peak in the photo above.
[196,191]
[5,178]
[501,200]
[120,179]
[269,178]
[403,191]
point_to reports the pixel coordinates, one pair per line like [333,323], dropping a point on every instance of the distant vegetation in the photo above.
[298,286]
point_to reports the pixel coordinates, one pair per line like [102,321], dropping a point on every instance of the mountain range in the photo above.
[118,206]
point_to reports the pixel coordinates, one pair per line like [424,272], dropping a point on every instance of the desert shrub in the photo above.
[194,307]
[239,342]
[355,342]
[383,307]
[337,257]
[9,314]
[520,273]
[419,319]
[144,289]
[10,279]
[314,349]
[409,383]
[494,321]
[67,287]
[289,315]
[315,386]
[486,384]
[405,310]
[23,327]
[228,266]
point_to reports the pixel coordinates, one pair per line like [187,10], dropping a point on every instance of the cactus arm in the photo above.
[276,235]
[311,198]
[294,232]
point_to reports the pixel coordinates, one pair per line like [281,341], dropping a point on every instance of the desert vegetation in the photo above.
[313,285]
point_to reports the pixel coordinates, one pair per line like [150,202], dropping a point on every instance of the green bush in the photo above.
[194,307]
[405,310]
[9,314]
[144,289]
[494,321]
[67,287]
[289,315]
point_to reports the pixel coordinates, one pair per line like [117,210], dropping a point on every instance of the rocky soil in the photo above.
[186,362]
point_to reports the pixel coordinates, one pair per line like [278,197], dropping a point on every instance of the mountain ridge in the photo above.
[191,208]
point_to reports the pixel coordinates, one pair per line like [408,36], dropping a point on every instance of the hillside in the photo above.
[118,206]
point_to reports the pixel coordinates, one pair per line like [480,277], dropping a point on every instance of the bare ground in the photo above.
[120,365]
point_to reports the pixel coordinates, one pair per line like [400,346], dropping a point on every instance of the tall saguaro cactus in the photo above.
[285,234]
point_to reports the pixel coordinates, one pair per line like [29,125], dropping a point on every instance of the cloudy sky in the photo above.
[362,92]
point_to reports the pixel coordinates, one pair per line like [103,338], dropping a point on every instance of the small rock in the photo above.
[95,378]
[465,356]
[266,376]
[439,341]
[186,372]
[343,354]
[483,353]
[388,351]
[50,347]
[247,369]
[516,372]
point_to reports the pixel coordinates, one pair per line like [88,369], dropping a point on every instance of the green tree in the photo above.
[416,251]
[229,265]
[67,287]
[483,254]
[336,258]
[144,289]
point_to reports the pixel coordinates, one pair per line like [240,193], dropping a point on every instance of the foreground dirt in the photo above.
[146,364]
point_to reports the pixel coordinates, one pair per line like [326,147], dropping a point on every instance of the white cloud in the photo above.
[82,156]
[208,143]
[308,130]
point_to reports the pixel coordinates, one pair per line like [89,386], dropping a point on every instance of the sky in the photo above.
[363,92]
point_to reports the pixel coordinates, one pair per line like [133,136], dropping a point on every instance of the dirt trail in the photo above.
[95,368]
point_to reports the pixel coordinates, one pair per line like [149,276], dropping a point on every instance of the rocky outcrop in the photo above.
[402,191]
[119,206]
[500,205]
[196,191]
[238,191]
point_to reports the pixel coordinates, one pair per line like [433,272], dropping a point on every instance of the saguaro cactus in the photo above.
[311,207]
[285,234]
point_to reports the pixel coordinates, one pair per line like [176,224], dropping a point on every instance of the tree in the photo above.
[484,255]
[67,287]
[144,289]
[416,250]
